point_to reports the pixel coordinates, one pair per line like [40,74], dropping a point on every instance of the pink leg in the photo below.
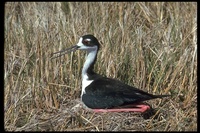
[140,108]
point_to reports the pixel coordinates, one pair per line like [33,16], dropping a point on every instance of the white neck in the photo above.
[89,60]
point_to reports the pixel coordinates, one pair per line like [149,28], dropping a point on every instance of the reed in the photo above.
[149,45]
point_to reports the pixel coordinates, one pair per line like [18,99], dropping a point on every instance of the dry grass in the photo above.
[152,46]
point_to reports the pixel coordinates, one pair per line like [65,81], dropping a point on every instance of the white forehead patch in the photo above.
[80,42]
[84,47]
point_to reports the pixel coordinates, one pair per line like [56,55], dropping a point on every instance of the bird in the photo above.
[103,94]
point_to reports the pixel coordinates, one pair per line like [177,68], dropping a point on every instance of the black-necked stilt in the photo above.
[104,94]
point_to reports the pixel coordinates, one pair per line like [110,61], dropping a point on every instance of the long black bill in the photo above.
[63,52]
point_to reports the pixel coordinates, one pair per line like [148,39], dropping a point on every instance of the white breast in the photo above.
[85,83]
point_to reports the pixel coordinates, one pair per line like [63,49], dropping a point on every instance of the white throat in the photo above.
[89,60]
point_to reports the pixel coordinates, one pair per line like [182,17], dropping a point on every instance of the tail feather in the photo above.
[150,97]
[161,96]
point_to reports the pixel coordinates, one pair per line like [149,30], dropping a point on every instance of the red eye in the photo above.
[86,42]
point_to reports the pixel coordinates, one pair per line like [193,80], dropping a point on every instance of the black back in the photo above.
[108,93]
